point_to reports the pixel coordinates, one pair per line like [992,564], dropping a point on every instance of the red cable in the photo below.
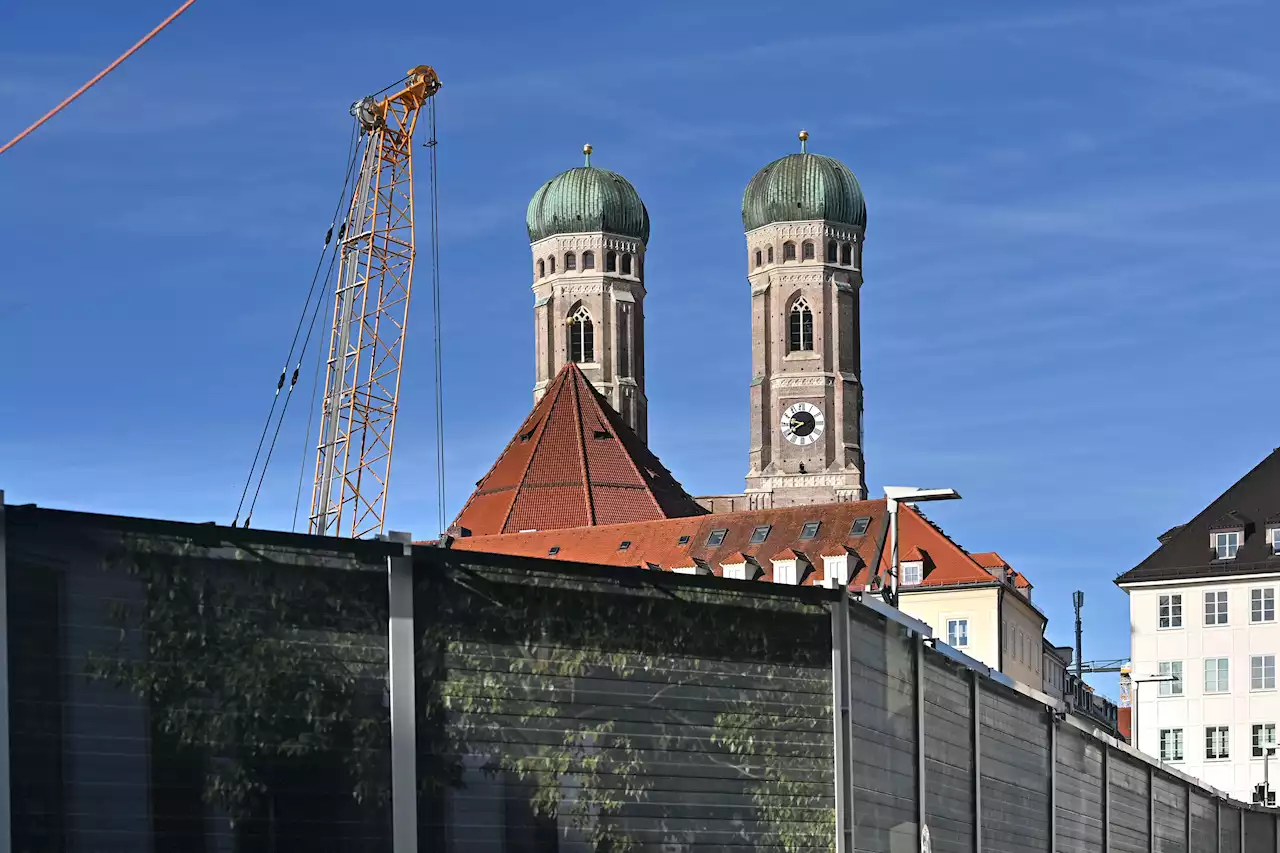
[103,73]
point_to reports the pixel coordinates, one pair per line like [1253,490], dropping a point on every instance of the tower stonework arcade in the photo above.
[804,218]
[588,230]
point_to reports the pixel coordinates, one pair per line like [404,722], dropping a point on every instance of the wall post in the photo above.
[920,768]
[1106,798]
[6,827]
[976,691]
[402,682]
[843,722]
[1151,809]
[1053,782]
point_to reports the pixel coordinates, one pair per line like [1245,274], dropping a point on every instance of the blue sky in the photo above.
[1070,265]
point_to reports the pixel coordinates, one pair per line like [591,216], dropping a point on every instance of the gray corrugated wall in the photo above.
[1129,792]
[1015,773]
[1259,833]
[1171,815]
[1204,823]
[884,739]
[1079,804]
[1230,830]
[948,750]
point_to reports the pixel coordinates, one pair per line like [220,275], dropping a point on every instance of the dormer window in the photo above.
[912,573]
[1226,543]
[1273,539]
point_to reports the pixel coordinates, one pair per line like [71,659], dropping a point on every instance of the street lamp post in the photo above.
[1159,679]
[893,496]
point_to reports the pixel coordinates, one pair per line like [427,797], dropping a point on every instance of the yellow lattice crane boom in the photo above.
[371,305]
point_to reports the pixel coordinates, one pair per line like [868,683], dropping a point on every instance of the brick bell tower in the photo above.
[588,230]
[804,218]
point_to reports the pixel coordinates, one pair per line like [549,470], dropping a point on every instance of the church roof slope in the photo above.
[572,463]
[1186,551]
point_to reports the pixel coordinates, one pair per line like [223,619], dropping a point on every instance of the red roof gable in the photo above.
[991,561]
[572,463]
[678,542]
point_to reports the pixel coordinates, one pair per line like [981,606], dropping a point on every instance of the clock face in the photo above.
[802,423]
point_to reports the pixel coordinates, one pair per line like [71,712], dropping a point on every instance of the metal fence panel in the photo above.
[948,749]
[1170,815]
[1079,802]
[1204,823]
[1015,773]
[1129,806]
[1229,829]
[1259,833]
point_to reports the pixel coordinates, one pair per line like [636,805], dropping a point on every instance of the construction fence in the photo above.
[176,687]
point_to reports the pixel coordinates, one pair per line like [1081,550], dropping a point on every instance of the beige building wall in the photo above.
[1008,638]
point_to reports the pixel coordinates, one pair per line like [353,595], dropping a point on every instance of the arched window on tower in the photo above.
[788,251]
[551,265]
[542,269]
[832,251]
[800,327]
[770,254]
[759,258]
[846,254]
[807,253]
[582,336]
[570,261]
[610,261]
[626,264]
[588,260]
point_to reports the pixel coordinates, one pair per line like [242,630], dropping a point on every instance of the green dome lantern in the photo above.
[803,186]
[587,199]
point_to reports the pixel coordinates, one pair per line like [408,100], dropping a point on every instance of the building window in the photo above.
[570,261]
[759,257]
[626,264]
[716,538]
[1215,608]
[551,266]
[760,534]
[1273,538]
[810,529]
[582,336]
[1173,687]
[833,251]
[684,540]
[1264,794]
[1226,544]
[860,525]
[786,572]
[1171,611]
[912,573]
[588,260]
[958,633]
[542,269]
[1217,742]
[806,251]
[788,251]
[1262,672]
[1171,744]
[769,254]
[1262,605]
[800,327]
[1217,675]
[1264,738]
[610,261]
[846,254]
[555,549]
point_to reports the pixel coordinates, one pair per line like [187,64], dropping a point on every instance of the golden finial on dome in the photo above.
[586,150]
[804,141]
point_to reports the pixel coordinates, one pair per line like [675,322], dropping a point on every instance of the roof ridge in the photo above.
[576,374]
[604,413]
[541,427]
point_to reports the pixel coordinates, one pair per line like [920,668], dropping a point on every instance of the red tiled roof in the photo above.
[572,463]
[659,543]
[991,560]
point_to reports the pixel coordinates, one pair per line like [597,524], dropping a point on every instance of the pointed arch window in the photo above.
[610,261]
[759,257]
[582,336]
[846,254]
[770,254]
[570,261]
[806,252]
[832,251]
[588,260]
[800,327]
[626,264]
[542,269]
[551,265]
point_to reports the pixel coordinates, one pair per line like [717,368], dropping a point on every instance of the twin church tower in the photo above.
[804,218]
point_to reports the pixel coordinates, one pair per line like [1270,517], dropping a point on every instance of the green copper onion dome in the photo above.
[587,199]
[803,186]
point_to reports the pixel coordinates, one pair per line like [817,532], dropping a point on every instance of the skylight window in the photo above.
[555,549]
[716,538]
[684,540]
[626,543]
[760,534]
[810,529]
[860,526]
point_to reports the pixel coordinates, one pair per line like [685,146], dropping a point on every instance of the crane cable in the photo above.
[103,73]
[435,299]
[353,155]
